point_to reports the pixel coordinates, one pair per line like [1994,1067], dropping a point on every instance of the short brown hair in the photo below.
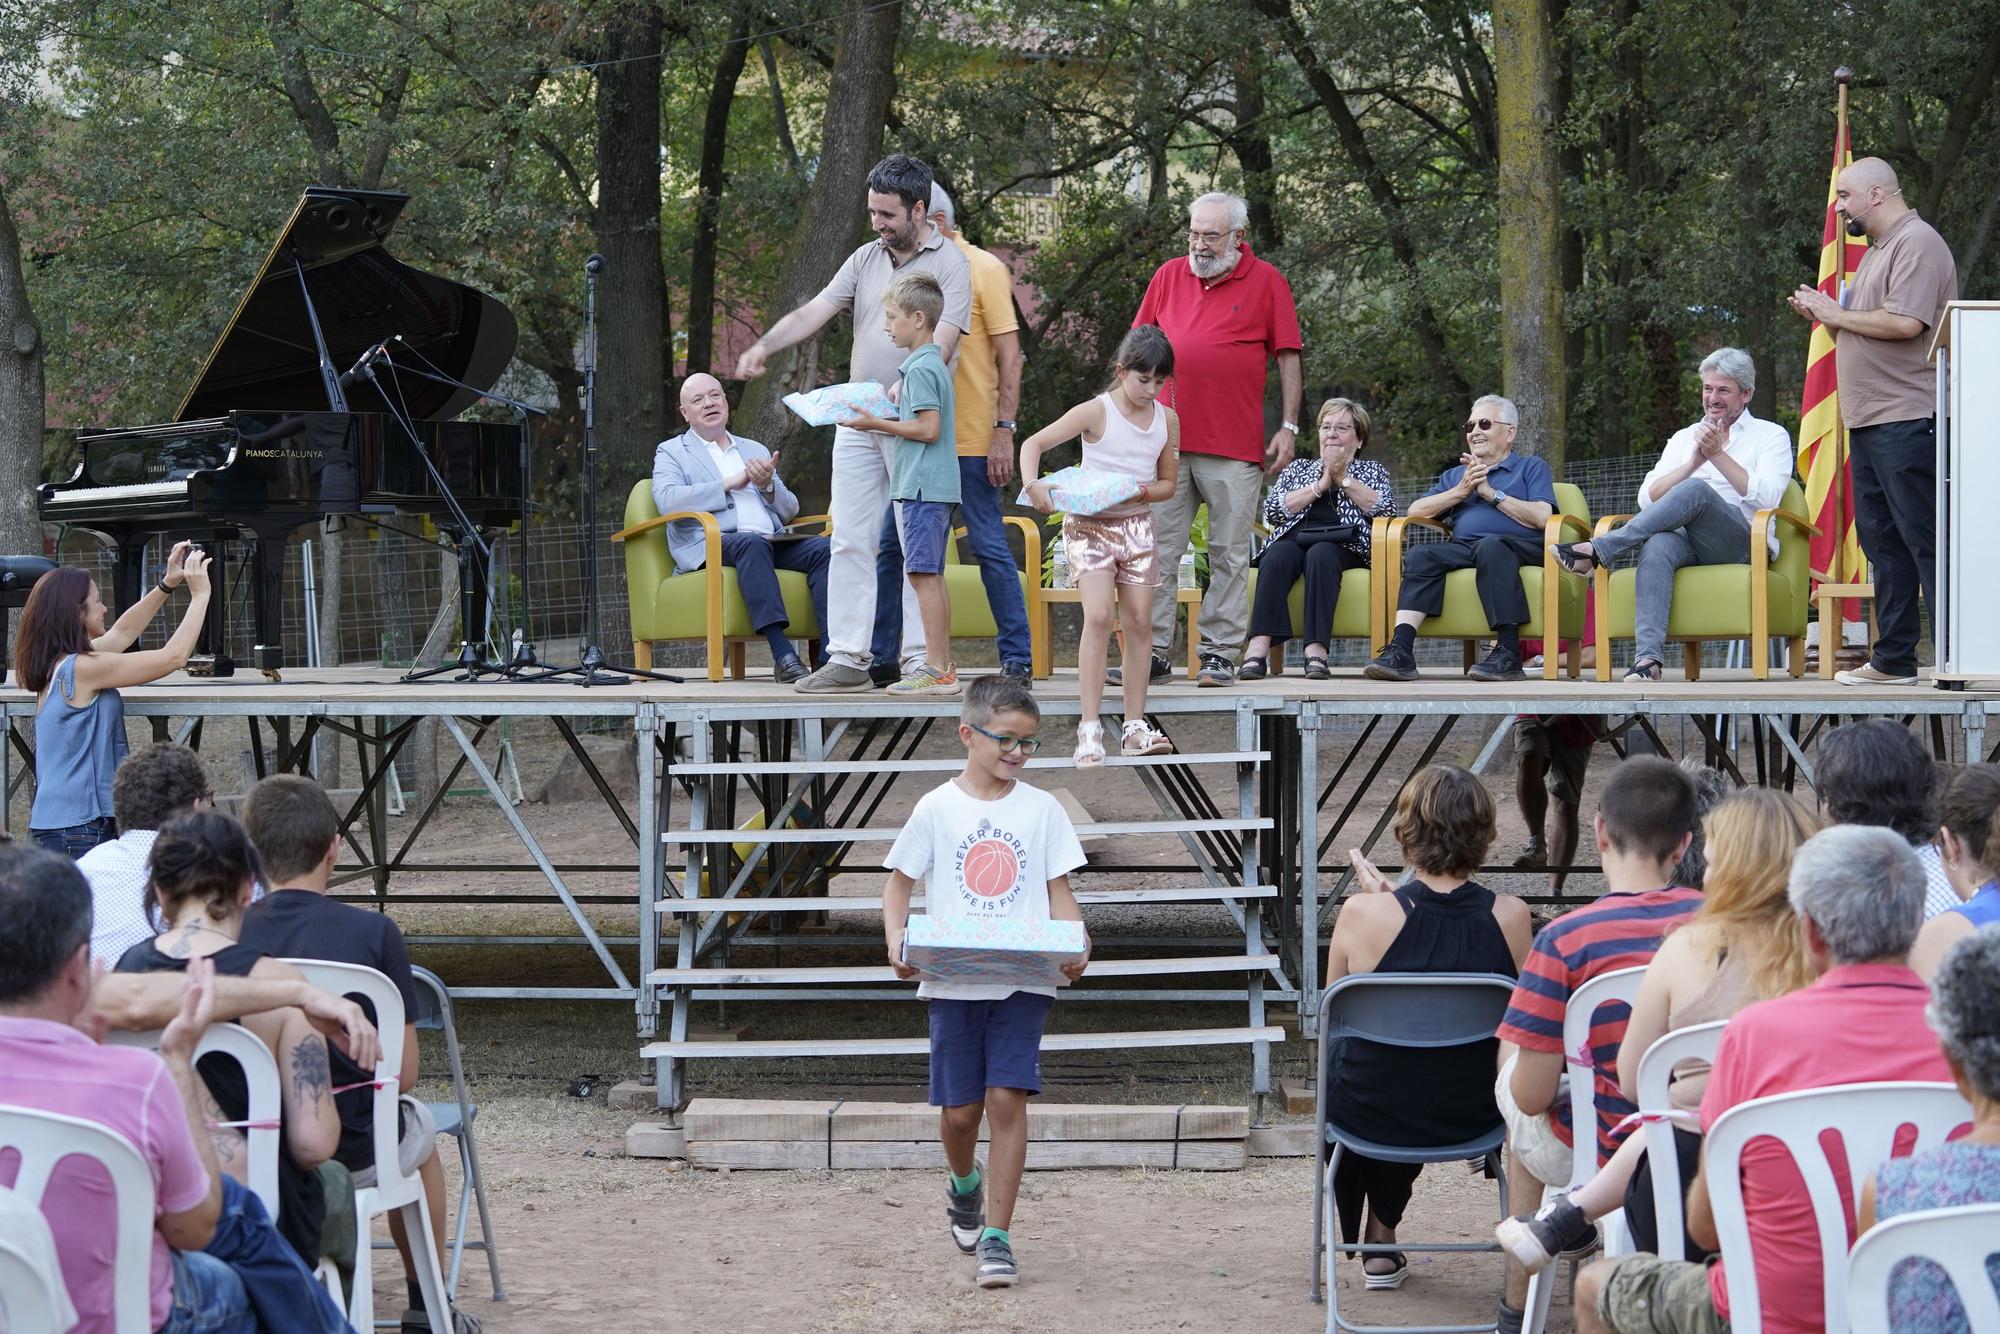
[292,823]
[1363,423]
[1445,821]
[201,855]
[155,784]
[917,291]
[1648,806]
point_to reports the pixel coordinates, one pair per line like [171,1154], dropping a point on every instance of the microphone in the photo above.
[360,368]
[593,265]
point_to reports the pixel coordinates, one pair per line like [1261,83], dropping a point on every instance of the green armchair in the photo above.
[1555,596]
[1766,597]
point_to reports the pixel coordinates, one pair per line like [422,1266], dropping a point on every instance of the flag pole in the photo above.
[1837,563]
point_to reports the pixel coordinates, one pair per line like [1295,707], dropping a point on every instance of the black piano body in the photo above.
[271,438]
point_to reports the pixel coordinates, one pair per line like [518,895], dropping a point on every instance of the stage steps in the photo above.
[808,810]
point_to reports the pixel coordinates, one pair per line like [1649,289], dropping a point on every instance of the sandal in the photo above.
[1254,669]
[1089,744]
[1642,672]
[1389,1279]
[1567,553]
[1318,668]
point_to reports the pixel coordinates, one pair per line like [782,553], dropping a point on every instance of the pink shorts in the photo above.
[1123,546]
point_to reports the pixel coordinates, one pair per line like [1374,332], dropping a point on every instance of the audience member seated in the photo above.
[1875,772]
[203,869]
[1965,1011]
[1741,945]
[297,836]
[1320,512]
[218,1266]
[1859,894]
[736,479]
[1696,505]
[149,789]
[1496,502]
[1969,838]
[1644,823]
[1440,922]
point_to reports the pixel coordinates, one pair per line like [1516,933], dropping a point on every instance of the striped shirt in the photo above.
[1619,930]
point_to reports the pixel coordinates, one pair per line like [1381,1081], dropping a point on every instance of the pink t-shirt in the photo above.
[51,1067]
[1781,1046]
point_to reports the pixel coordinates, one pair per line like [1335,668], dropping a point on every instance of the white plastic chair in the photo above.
[1584,1003]
[393,1192]
[1959,1239]
[1868,1118]
[44,1139]
[260,1077]
[1663,1155]
[27,1305]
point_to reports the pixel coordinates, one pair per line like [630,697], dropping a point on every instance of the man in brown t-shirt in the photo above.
[1881,330]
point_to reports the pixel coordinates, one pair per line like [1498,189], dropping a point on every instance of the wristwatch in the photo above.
[1499,495]
[1293,427]
[1003,424]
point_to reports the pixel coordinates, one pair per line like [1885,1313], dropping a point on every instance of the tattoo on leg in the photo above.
[311,1078]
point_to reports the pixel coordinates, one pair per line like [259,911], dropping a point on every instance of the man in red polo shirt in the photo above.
[1227,313]
[1859,895]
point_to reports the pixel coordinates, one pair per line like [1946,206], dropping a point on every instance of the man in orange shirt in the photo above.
[986,390]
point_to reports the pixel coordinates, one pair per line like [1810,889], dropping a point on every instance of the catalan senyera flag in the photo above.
[1822,444]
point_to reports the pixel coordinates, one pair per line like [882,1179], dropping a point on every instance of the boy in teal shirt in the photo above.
[923,483]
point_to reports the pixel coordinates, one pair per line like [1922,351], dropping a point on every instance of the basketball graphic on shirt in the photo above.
[990,868]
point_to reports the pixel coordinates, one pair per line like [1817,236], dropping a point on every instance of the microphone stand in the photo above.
[592,667]
[523,657]
[470,663]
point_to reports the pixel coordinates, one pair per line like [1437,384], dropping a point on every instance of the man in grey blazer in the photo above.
[737,481]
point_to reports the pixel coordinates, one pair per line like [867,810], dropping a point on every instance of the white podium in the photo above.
[1966,349]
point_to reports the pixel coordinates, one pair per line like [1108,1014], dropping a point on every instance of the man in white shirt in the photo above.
[737,481]
[1696,505]
[149,789]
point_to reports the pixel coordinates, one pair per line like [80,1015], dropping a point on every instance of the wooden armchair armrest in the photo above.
[1761,531]
[1391,540]
[639,528]
[1610,521]
[1557,524]
[825,522]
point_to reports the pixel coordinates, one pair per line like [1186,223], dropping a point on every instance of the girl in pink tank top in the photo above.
[1111,553]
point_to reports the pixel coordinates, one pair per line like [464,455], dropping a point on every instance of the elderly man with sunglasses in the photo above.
[1496,502]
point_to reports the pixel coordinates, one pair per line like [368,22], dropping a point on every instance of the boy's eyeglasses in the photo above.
[1027,745]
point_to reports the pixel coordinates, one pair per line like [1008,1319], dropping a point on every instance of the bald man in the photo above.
[737,481]
[1888,398]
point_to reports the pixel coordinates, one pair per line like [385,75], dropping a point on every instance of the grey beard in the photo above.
[1215,268]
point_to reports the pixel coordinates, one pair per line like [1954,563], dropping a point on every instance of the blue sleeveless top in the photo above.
[1983,908]
[76,752]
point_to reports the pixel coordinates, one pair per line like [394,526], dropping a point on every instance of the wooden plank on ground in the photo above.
[758,1118]
[1214,1155]
[890,1121]
[919,1046]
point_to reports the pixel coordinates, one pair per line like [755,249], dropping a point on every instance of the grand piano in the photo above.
[274,436]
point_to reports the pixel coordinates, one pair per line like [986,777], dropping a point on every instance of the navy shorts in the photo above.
[926,528]
[978,1045]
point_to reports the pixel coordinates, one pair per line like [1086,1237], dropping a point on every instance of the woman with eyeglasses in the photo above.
[1320,512]
[76,664]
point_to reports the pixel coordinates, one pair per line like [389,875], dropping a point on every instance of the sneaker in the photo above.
[882,675]
[1499,665]
[1868,674]
[1534,853]
[1020,673]
[1162,670]
[1089,745]
[1537,1239]
[1215,671]
[966,1214]
[789,671]
[925,679]
[1142,738]
[835,678]
[1393,663]
[996,1264]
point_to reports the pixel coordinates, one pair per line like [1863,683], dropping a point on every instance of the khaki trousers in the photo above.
[1232,489]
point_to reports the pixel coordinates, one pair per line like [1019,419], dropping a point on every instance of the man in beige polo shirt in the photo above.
[1888,398]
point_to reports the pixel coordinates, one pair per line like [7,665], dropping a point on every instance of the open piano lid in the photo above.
[265,358]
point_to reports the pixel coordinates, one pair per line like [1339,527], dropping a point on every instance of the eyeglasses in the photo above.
[1482,424]
[1027,745]
[1209,238]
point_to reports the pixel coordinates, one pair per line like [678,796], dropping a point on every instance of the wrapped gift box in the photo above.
[1007,951]
[832,404]
[1080,490]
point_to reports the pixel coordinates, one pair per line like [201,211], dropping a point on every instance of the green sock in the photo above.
[965,1185]
[999,1232]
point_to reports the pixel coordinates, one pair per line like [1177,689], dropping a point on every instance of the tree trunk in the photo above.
[1529,200]
[20,404]
[634,339]
[710,181]
[1250,140]
[857,105]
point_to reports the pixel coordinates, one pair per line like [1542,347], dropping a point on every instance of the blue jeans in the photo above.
[280,1289]
[986,534]
[77,839]
[208,1298]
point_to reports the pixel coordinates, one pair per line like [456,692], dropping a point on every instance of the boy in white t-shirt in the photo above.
[986,1041]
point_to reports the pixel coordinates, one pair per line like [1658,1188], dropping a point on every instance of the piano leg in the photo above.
[268,565]
[125,573]
[211,648]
